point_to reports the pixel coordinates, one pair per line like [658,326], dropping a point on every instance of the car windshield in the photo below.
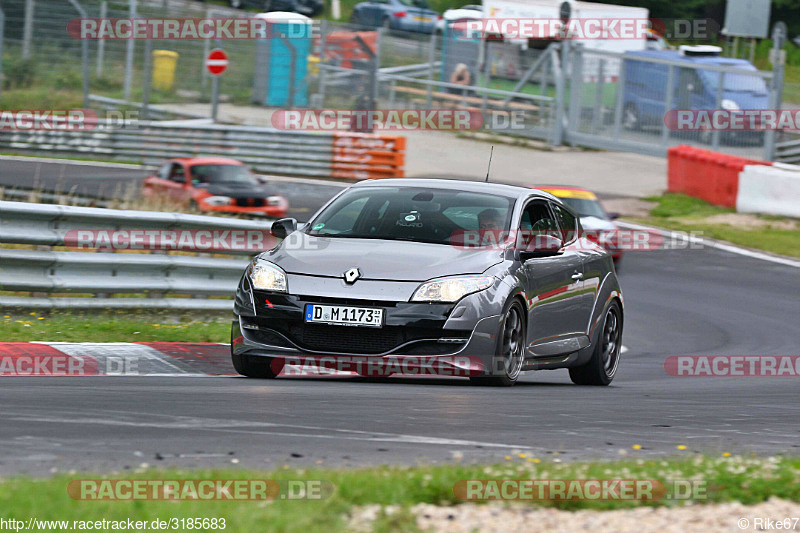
[222,174]
[415,3]
[735,82]
[586,208]
[436,216]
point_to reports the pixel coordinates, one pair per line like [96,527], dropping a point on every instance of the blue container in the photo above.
[282,61]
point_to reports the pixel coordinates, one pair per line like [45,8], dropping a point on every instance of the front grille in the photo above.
[250,202]
[347,339]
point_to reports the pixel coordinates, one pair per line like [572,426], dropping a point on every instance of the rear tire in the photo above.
[510,348]
[254,366]
[603,365]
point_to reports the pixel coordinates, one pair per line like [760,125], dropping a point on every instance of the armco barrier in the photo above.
[155,275]
[773,190]
[292,153]
[704,174]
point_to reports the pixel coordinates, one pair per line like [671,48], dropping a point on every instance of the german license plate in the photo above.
[344,315]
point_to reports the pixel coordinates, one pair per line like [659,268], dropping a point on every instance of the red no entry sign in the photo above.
[217,61]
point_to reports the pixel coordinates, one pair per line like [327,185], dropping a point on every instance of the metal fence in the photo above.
[138,280]
[343,155]
[620,101]
[559,93]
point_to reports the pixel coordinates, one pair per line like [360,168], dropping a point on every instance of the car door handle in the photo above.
[577,276]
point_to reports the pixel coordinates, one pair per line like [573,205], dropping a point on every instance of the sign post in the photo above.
[216,64]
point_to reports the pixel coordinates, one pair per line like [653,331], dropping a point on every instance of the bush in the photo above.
[18,73]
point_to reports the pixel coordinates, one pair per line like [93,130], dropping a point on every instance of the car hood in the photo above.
[239,190]
[377,259]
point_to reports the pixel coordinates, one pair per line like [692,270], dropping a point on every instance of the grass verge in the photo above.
[111,327]
[684,213]
[726,478]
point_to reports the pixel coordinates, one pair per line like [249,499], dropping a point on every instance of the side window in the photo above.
[163,172]
[537,220]
[176,174]
[567,223]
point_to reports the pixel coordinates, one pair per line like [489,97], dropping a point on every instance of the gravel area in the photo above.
[490,518]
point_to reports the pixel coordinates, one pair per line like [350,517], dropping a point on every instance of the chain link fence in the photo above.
[556,92]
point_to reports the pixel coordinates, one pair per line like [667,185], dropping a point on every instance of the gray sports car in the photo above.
[487,278]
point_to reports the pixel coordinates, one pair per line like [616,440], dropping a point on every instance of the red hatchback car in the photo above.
[214,184]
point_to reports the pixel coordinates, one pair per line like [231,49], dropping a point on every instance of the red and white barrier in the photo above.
[749,185]
[773,190]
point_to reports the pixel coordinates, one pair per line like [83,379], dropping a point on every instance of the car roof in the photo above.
[208,161]
[500,189]
[675,55]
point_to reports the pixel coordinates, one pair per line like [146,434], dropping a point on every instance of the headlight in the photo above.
[274,200]
[266,276]
[451,289]
[729,105]
[218,200]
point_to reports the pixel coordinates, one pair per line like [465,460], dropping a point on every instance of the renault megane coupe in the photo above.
[501,275]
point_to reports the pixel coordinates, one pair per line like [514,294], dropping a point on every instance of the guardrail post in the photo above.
[148,67]
[84,55]
[2,28]
[620,99]
[101,43]
[776,89]
[431,60]
[576,88]
[559,78]
[716,134]
[598,96]
[27,29]
[129,50]
[668,103]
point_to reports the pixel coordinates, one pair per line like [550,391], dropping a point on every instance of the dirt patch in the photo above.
[466,518]
[628,207]
[745,221]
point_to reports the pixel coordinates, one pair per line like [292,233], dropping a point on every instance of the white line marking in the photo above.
[238,426]
[715,244]
[624,349]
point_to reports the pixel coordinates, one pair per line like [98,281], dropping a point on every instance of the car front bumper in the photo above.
[461,334]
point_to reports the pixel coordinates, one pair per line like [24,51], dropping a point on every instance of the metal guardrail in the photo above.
[148,276]
[788,152]
[294,153]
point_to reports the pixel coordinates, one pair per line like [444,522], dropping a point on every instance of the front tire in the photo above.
[254,366]
[603,365]
[510,348]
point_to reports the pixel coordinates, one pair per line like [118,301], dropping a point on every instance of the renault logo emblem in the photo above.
[352,275]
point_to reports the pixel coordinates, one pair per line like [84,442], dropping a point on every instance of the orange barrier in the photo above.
[367,156]
[710,176]
[342,48]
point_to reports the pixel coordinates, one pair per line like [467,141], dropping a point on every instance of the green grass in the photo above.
[684,213]
[110,327]
[749,480]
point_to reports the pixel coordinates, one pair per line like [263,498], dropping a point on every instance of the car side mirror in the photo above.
[283,227]
[613,216]
[542,245]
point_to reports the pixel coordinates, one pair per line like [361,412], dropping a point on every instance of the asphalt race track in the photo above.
[95,180]
[678,302]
